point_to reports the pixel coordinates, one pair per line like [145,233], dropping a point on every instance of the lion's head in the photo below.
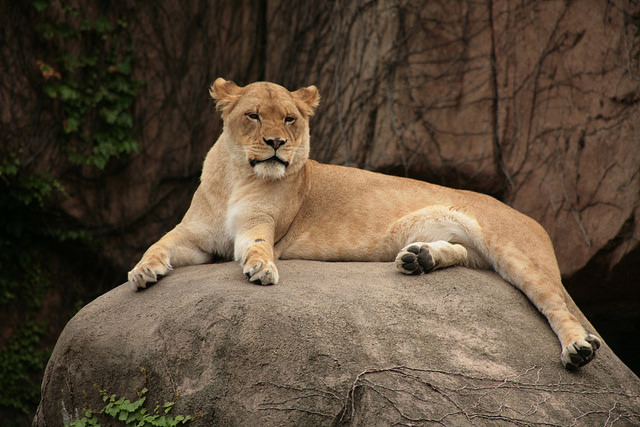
[267,125]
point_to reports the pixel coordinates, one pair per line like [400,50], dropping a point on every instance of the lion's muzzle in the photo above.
[273,158]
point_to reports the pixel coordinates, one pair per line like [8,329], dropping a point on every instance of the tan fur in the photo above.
[256,210]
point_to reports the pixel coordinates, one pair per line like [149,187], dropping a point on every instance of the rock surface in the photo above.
[341,343]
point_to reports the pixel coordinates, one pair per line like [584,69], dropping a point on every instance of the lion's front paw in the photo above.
[579,353]
[148,270]
[261,272]
[415,259]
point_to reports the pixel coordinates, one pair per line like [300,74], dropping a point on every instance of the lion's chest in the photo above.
[248,209]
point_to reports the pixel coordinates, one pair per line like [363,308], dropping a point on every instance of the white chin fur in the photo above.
[270,170]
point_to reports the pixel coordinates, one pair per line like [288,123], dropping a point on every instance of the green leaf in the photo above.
[72,124]
[11,165]
[71,62]
[124,67]
[51,90]
[102,25]
[40,5]
[67,93]
[110,116]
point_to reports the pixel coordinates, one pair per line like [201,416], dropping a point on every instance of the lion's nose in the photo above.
[274,142]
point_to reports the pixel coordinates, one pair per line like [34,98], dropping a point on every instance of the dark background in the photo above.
[106,120]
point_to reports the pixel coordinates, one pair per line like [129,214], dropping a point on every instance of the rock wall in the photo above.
[533,102]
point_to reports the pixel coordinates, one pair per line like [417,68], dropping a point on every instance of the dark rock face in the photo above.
[341,343]
[535,102]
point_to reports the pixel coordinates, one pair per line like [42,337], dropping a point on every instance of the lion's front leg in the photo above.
[175,249]
[258,266]
[254,251]
[154,264]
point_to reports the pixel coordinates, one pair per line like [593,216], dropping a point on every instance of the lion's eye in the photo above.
[289,119]
[253,116]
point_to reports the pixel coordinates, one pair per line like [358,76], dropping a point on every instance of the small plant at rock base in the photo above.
[130,413]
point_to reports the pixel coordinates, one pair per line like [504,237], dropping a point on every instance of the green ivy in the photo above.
[93,83]
[20,360]
[87,76]
[129,413]
[25,188]
[22,203]
[23,284]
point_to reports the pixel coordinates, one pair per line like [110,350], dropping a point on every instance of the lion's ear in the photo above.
[225,92]
[307,99]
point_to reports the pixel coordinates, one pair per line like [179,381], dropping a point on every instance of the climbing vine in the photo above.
[85,76]
[18,359]
[91,78]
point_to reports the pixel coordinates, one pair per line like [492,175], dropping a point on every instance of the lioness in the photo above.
[261,198]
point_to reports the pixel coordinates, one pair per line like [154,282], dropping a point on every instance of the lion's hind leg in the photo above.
[436,237]
[440,236]
[546,293]
[536,274]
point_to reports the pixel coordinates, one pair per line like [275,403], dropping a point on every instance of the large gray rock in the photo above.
[353,343]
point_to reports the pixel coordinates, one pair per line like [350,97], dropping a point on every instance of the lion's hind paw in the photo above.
[415,259]
[579,353]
